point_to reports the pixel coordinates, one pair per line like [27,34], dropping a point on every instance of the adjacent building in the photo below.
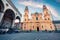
[8,15]
[57,25]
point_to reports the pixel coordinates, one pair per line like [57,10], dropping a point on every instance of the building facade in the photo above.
[57,25]
[38,21]
[8,15]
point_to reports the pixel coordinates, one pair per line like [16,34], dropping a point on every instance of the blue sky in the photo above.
[36,6]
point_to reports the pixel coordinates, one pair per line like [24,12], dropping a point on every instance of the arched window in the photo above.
[36,18]
[25,19]
[33,26]
[51,27]
[45,19]
[48,18]
[24,27]
[42,26]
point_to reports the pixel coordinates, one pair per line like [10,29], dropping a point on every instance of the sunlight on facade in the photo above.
[17,21]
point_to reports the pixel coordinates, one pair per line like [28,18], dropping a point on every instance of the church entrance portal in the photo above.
[37,28]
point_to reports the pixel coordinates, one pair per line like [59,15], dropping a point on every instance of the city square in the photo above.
[29,20]
[31,36]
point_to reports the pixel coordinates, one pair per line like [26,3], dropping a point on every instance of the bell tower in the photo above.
[26,13]
[46,13]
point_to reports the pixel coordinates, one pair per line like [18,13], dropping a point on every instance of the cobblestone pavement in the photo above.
[30,36]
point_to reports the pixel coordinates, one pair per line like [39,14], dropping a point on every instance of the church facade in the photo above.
[38,21]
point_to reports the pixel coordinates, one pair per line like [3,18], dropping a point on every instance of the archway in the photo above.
[17,22]
[37,28]
[8,18]
[1,6]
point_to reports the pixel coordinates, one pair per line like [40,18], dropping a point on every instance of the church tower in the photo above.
[26,14]
[49,24]
[46,13]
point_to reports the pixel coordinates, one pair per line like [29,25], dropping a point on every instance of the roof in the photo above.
[56,22]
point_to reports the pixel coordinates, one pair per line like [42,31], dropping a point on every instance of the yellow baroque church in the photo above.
[38,21]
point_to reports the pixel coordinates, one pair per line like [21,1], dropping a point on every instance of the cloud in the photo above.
[57,1]
[40,5]
[52,10]
[23,0]
[30,3]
